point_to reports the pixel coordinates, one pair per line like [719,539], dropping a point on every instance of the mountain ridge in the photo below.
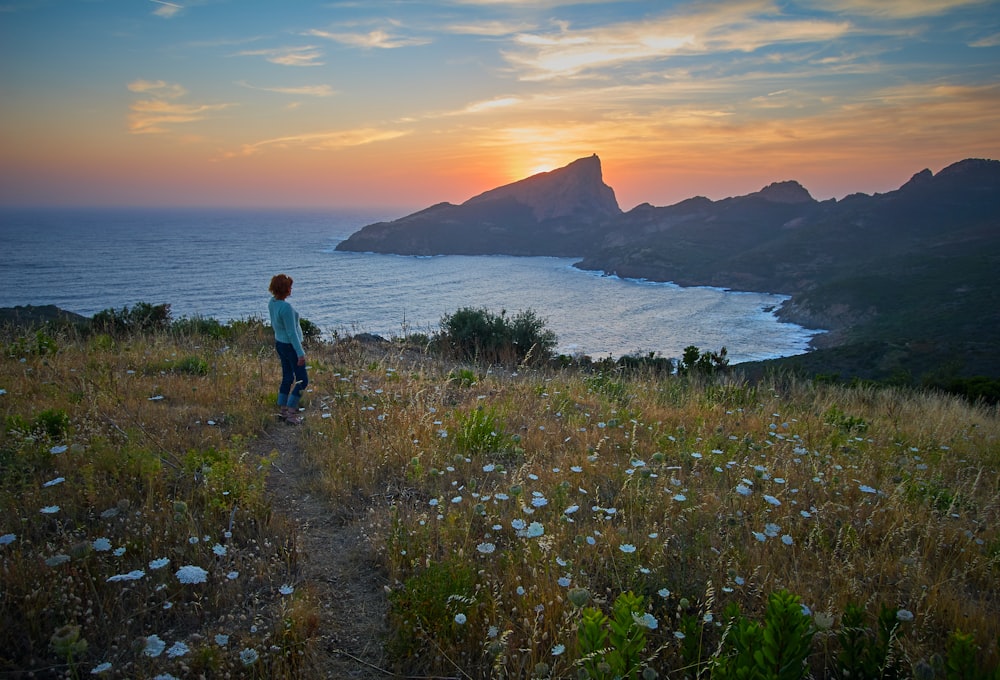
[546,213]
[911,267]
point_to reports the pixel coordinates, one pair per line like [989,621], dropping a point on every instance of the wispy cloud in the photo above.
[306,55]
[166,9]
[988,41]
[490,28]
[322,141]
[159,87]
[534,4]
[159,109]
[488,105]
[722,28]
[894,9]
[377,39]
[302,90]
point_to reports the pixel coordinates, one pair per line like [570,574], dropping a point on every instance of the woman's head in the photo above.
[281,286]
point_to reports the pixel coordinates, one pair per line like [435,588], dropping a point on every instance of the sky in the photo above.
[403,104]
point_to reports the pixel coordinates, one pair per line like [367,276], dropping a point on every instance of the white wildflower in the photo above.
[192,574]
[154,646]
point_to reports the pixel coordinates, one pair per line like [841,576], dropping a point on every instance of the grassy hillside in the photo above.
[530,522]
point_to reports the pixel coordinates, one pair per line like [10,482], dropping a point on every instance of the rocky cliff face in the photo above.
[785,192]
[914,265]
[577,190]
[551,213]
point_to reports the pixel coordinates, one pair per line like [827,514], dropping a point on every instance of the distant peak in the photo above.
[919,178]
[574,189]
[785,192]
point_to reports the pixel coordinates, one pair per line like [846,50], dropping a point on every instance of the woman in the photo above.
[288,342]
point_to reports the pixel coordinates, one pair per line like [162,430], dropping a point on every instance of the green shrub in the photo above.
[40,344]
[52,423]
[192,366]
[705,363]
[775,650]
[199,326]
[142,318]
[847,424]
[650,362]
[613,647]
[479,335]
[867,654]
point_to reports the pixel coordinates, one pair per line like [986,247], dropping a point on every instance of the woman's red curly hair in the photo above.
[281,286]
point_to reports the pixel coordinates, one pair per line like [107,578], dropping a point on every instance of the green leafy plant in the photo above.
[311,333]
[463,376]
[480,335]
[53,423]
[774,650]
[705,363]
[847,424]
[40,344]
[613,647]
[787,638]
[481,430]
[192,365]
[962,659]
[67,644]
[142,318]
[742,639]
[198,326]
[865,653]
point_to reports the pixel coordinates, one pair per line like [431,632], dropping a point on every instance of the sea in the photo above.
[217,263]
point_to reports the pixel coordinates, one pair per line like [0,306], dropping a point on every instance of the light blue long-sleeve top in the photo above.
[285,322]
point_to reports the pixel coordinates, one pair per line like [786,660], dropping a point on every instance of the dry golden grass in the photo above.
[491,495]
[123,462]
[865,496]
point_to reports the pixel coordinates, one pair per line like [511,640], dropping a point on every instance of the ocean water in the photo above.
[218,263]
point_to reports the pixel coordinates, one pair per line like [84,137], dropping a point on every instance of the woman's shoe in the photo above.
[291,415]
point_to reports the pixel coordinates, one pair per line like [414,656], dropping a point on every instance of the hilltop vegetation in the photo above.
[591,521]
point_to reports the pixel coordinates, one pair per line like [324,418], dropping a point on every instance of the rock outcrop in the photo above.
[550,213]
[577,190]
[914,265]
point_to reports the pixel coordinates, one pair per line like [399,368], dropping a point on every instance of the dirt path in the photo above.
[334,562]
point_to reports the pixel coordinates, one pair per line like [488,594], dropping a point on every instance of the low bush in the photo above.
[142,318]
[480,335]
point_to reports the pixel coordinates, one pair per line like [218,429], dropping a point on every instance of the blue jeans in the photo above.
[291,375]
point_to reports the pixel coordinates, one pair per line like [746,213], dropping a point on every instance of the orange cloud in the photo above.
[322,141]
[725,27]
[158,112]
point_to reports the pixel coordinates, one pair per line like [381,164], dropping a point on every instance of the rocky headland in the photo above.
[911,274]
